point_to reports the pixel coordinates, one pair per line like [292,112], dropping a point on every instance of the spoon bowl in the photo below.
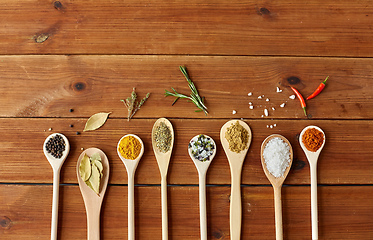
[312,158]
[276,182]
[56,164]
[202,167]
[131,166]
[163,160]
[235,163]
[92,200]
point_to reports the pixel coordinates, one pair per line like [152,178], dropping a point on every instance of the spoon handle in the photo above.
[131,207]
[93,222]
[278,213]
[315,230]
[164,208]
[235,207]
[202,206]
[56,185]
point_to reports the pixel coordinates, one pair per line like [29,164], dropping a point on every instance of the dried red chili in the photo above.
[318,90]
[301,99]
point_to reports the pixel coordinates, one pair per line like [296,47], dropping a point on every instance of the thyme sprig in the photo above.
[131,104]
[194,95]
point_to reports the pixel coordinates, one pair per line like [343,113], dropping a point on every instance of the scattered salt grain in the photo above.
[273,108]
[267,99]
[266,112]
[234,112]
[282,105]
[292,97]
[267,126]
[250,103]
[262,115]
[278,89]
[275,125]
[249,94]
[271,126]
[276,155]
[260,97]
[251,107]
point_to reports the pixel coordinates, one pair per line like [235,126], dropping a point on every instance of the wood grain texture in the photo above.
[317,28]
[49,86]
[344,212]
[345,159]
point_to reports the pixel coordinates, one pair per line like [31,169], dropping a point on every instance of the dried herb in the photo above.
[96,121]
[194,95]
[90,170]
[163,137]
[132,105]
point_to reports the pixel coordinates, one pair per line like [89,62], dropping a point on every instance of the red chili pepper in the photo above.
[301,99]
[318,90]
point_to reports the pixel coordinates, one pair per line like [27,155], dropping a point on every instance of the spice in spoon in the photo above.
[276,155]
[56,146]
[90,170]
[237,137]
[202,148]
[130,147]
[313,139]
[163,137]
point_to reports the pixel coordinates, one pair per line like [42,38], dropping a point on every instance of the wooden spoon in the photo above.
[312,160]
[235,163]
[131,166]
[92,201]
[202,169]
[163,160]
[56,164]
[276,183]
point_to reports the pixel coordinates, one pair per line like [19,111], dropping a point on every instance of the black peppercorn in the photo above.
[55,146]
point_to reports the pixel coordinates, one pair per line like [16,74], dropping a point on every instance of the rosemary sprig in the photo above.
[131,104]
[194,95]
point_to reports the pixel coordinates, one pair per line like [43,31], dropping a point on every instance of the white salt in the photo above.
[250,103]
[266,112]
[267,99]
[271,126]
[260,97]
[282,105]
[276,155]
[249,94]
[292,97]
[234,112]
[273,108]
[251,107]
[278,89]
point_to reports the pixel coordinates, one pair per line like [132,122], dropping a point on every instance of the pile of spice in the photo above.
[90,170]
[237,137]
[202,148]
[276,155]
[129,147]
[163,137]
[313,139]
[55,146]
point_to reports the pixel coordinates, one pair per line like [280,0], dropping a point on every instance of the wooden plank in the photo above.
[344,212]
[318,28]
[345,159]
[49,86]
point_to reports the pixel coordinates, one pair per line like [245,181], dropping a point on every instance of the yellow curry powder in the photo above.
[129,147]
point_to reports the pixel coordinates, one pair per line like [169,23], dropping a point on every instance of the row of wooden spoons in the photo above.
[93,201]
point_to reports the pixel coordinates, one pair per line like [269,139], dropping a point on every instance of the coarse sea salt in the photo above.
[276,155]
[292,97]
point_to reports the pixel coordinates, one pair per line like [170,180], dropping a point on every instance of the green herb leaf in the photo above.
[96,121]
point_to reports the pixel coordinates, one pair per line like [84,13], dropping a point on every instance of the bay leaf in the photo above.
[96,121]
[95,179]
[85,168]
[95,156]
[98,165]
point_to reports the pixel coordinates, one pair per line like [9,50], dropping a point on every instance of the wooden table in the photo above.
[88,55]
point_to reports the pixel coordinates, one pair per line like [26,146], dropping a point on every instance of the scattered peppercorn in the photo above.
[55,146]
[77,133]
[71,110]
[71,125]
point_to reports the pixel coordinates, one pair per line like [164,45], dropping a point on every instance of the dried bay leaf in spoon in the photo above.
[95,179]
[85,168]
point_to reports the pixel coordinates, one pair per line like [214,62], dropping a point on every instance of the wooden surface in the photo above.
[88,55]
